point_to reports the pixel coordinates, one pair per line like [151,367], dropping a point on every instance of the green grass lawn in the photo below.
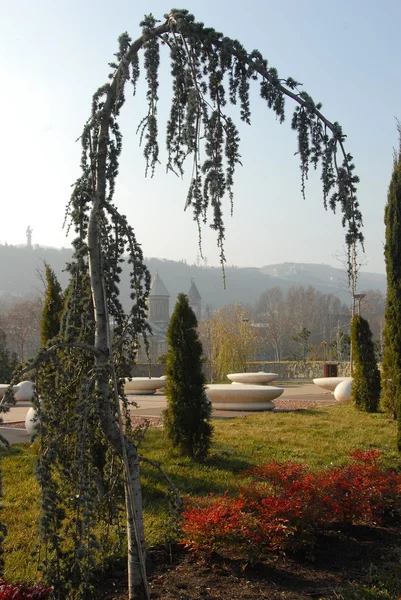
[319,438]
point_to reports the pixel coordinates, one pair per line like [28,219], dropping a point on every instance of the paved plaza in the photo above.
[295,396]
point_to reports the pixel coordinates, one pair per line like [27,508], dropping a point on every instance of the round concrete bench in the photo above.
[31,422]
[22,391]
[141,386]
[4,387]
[329,383]
[242,397]
[343,391]
[260,378]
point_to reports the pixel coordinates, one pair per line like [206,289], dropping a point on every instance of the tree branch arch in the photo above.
[208,71]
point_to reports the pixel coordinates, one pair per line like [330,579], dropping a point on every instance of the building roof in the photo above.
[157,287]
[193,293]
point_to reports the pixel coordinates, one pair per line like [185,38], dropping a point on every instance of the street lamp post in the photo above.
[359,298]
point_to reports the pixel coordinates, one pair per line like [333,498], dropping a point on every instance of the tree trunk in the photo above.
[138,589]
[137,583]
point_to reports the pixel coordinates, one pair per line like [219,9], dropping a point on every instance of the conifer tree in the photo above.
[52,308]
[366,384]
[189,409]
[391,367]
[7,362]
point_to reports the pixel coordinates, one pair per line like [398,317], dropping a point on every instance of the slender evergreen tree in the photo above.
[366,384]
[187,417]
[52,307]
[391,368]
[7,362]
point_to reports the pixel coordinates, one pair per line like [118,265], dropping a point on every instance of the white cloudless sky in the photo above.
[54,55]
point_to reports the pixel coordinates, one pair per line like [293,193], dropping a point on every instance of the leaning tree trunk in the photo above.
[112,431]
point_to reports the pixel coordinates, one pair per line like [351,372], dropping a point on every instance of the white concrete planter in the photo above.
[139,386]
[329,383]
[4,387]
[260,378]
[243,397]
[25,391]
[31,422]
[342,393]
[22,391]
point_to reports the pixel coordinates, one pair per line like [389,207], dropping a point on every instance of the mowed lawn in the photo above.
[319,438]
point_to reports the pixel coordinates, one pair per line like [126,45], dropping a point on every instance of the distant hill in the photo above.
[19,268]
[324,277]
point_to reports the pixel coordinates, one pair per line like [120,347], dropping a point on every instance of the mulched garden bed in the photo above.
[340,556]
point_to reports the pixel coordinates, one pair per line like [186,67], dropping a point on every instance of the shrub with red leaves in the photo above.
[20,591]
[285,505]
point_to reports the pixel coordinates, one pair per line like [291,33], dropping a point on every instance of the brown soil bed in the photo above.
[339,557]
[14,424]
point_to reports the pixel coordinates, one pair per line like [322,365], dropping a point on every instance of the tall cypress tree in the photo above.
[7,362]
[366,385]
[52,307]
[188,407]
[391,373]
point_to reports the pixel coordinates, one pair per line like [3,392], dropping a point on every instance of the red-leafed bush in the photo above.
[20,591]
[284,506]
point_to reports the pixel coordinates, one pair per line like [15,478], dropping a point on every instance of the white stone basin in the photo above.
[329,383]
[4,387]
[163,378]
[31,422]
[260,378]
[342,393]
[22,391]
[25,390]
[242,397]
[143,385]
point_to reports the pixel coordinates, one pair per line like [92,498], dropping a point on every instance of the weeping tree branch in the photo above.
[202,61]
[156,465]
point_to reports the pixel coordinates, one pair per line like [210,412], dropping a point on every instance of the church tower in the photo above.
[158,302]
[195,299]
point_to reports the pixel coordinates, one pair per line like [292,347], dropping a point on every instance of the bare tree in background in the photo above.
[272,314]
[22,327]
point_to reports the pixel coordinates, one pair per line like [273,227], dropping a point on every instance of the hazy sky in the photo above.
[54,55]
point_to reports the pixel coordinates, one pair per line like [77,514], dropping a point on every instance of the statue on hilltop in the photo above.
[28,234]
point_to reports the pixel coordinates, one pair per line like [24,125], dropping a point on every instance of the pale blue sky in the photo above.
[54,54]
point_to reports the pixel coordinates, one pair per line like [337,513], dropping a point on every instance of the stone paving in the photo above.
[296,396]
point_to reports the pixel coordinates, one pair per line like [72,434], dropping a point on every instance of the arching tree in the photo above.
[208,71]
[188,408]
[391,371]
[366,385]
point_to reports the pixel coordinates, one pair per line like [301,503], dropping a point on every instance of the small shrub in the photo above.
[20,591]
[284,505]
